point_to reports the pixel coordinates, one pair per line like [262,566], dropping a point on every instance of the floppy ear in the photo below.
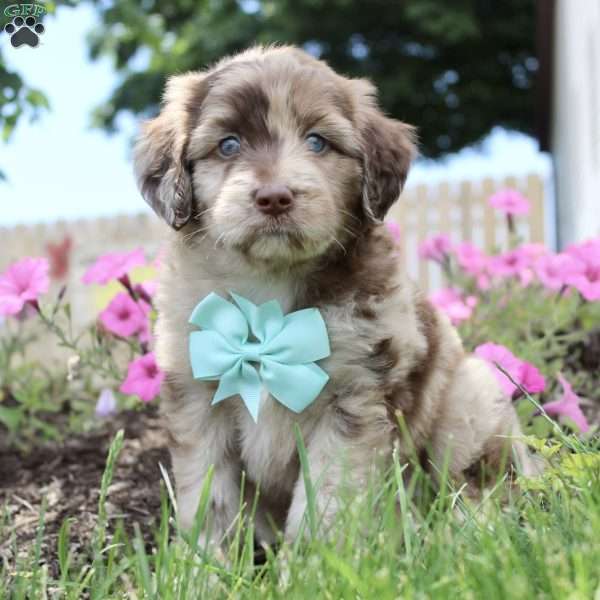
[388,148]
[160,164]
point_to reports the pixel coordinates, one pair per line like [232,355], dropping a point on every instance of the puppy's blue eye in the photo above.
[229,146]
[316,143]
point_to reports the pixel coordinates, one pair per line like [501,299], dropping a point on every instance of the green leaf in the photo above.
[11,417]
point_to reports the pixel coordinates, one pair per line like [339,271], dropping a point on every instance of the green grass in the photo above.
[398,540]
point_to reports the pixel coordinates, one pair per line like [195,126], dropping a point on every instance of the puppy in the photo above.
[275,174]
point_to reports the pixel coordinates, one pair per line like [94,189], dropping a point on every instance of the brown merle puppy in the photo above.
[275,174]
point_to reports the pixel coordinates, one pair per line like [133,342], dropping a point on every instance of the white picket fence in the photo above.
[460,210]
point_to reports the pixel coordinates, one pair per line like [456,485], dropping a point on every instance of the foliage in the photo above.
[542,306]
[454,70]
[540,543]
[17,100]
[37,401]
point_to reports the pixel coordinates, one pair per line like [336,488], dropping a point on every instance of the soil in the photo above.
[68,476]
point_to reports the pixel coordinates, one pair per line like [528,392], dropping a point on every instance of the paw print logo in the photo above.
[24,31]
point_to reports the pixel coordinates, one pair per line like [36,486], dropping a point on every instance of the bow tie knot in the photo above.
[252,352]
[284,347]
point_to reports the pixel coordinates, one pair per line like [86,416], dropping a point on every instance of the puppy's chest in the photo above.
[268,447]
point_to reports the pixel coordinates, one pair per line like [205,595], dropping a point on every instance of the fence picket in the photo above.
[460,210]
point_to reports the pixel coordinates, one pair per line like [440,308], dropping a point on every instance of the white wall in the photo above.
[576,119]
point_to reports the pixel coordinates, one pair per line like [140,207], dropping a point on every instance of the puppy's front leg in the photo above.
[342,451]
[201,437]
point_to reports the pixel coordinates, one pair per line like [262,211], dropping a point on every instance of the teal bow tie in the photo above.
[285,347]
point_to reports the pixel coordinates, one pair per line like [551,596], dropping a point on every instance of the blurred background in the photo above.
[502,93]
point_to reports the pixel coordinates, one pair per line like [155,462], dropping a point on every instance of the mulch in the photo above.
[67,475]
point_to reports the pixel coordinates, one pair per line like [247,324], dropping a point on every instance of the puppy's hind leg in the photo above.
[478,424]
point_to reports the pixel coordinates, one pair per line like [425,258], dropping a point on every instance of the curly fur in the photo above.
[391,351]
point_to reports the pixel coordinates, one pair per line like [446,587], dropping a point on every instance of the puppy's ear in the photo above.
[388,148]
[160,165]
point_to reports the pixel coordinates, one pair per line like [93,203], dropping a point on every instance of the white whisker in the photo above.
[339,244]
[349,214]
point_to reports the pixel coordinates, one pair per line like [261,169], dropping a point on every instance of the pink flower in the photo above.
[394,229]
[436,248]
[143,378]
[470,258]
[453,304]
[523,373]
[589,286]
[498,354]
[587,252]
[473,262]
[510,202]
[125,317]
[556,270]
[588,281]
[533,250]
[517,263]
[113,265]
[107,404]
[509,264]
[23,282]
[568,406]
[531,379]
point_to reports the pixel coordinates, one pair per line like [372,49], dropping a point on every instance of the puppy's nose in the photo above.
[273,199]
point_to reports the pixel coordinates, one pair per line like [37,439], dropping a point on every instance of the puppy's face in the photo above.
[272,155]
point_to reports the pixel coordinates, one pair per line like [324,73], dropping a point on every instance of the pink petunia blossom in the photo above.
[588,281]
[587,252]
[514,263]
[470,258]
[450,302]
[144,378]
[556,270]
[23,282]
[510,202]
[124,316]
[531,379]
[394,229]
[588,287]
[113,265]
[501,355]
[568,406]
[474,262]
[106,405]
[533,250]
[436,248]
[523,373]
